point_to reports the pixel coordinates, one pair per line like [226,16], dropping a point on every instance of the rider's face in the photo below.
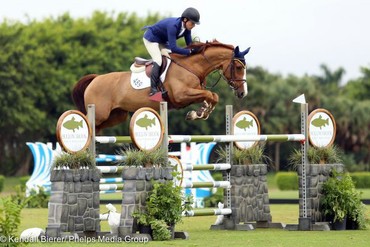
[189,25]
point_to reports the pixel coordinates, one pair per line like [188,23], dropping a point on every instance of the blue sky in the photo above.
[287,36]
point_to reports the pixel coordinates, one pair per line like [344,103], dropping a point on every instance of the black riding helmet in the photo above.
[192,14]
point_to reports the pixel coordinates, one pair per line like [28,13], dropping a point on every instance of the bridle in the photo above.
[232,82]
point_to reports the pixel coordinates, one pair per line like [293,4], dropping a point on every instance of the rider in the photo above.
[164,34]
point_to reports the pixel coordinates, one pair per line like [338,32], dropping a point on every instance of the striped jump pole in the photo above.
[235,138]
[110,169]
[109,191]
[113,139]
[109,158]
[110,187]
[202,167]
[110,180]
[214,184]
[207,212]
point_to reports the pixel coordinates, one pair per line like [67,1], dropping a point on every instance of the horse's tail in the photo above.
[79,91]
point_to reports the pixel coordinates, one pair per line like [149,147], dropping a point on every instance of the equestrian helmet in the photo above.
[192,14]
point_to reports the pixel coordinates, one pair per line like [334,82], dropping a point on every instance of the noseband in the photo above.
[233,81]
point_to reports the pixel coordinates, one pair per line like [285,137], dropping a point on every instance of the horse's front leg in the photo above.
[205,110]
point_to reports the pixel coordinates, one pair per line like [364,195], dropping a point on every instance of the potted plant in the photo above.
[142,158]
[357,218]
[164,207]
[75,180]
[147,224]
[339,199]
[166,202]
[316,155]
[248,173]
[252,155]
[73,167]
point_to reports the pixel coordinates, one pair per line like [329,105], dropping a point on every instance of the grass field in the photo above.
[200,235]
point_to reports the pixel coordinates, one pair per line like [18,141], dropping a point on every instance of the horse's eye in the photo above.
[239,68]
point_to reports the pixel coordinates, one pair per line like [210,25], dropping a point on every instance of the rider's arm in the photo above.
[171,34]
[187,37]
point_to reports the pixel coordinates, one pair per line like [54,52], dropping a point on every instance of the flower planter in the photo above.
[74,201]
[138,183]
[145,229]
[249,194]
[339,224]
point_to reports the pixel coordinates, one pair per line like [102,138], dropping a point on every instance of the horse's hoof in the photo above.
[191,115]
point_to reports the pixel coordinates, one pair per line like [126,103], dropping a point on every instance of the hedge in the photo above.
[361,179]
[23,180]
[287,180]
[2,178]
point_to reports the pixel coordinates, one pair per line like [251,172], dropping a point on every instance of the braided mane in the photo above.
[213,43]
[204,46]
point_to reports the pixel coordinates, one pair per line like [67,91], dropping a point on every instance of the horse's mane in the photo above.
[213,43]
[207,44]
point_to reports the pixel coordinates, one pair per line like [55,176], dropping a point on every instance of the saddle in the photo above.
[142,63]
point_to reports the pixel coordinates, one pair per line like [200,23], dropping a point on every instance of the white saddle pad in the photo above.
[140,80]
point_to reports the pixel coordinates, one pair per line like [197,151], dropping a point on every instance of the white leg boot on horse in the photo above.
[154,79]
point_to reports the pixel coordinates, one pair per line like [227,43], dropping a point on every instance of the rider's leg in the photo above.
[155,52]
[154,79]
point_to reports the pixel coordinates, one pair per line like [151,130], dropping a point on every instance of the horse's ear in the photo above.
[236,50]
[246,51]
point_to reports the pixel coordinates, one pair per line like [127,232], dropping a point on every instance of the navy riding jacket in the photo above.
[167,32]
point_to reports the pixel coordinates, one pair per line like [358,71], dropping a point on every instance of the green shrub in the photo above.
[252,155]
[2,178]
[10,218]
[74,161]
[361,179]
[23,180]
[316,155]
[36,199]
[341,199]
[142,158]
[287,180]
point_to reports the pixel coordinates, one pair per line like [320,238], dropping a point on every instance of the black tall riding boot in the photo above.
[154,79]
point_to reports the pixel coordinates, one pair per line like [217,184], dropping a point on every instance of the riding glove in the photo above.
[195,50]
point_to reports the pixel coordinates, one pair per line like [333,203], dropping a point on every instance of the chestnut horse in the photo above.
[114,97]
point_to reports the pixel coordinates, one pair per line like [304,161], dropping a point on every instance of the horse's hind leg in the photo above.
[116,116]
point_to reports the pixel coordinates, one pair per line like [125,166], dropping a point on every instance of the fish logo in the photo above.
[244,124]
[320,122]
[73,124]
[145,122]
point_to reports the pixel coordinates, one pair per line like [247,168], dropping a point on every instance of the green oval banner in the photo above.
[245,123]
[146,129]
[73,131]
[321,128]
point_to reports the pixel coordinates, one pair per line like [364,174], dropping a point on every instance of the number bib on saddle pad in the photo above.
[139,78]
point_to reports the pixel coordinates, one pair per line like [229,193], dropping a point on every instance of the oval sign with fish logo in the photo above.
[245,123]
[321,128]
[73,131]
[146,129]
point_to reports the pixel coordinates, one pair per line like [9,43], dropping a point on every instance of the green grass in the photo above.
[200,235]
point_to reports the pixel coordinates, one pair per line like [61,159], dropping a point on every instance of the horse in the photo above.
[184,84]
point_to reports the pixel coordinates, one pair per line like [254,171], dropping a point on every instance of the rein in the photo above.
[230,81]
[232,72]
